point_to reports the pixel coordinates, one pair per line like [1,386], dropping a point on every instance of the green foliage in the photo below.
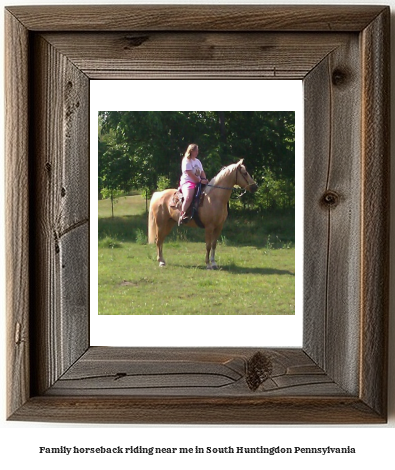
[114,194]
[275,193]
[109,242]
[141,237]
[143,150]
[163,183]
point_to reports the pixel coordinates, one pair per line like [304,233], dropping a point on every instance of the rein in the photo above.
[229,189]
[220,187]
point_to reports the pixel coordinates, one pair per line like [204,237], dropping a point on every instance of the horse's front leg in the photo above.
[208,249]
[208,234]
[212,259]
[211,244]
[216,233]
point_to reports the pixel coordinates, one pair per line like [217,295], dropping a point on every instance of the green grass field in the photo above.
[256,258]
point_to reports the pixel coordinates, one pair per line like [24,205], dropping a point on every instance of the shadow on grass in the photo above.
[241,270]
[274,230]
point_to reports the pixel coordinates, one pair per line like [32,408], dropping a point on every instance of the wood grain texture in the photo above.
[316,160]
[333,214]
[60,180]
[339,376]
[186,372]
[376,211]
[17,213]
[198,410]
[185,55]
[196,17]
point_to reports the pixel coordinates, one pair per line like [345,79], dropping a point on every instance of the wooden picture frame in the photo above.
[340,373]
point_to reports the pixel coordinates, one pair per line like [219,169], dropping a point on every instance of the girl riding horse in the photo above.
[212,211]
[192,175]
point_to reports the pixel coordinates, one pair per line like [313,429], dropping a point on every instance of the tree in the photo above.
[136,149]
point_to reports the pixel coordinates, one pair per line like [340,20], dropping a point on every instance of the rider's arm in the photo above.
[203,176]
[193,177]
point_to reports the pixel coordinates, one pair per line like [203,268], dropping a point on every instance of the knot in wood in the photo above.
[18,334]
[330,199]
[133,41]
[259,369]
[339,77]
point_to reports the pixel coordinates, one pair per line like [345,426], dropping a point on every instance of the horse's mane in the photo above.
[225,171]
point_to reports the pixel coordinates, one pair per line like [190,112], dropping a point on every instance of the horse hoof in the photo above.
[212,267]
[162,264]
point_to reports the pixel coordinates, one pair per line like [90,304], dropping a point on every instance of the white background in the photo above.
[198,330]
[19,442]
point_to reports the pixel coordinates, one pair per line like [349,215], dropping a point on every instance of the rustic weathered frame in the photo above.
[340,374]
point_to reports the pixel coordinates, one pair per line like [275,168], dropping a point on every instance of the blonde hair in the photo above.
[189,150]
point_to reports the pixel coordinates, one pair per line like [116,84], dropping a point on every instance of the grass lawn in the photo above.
[256,261]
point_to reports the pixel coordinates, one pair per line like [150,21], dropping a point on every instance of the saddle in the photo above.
[192,211]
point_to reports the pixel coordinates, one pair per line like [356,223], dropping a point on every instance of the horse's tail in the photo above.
[152,230]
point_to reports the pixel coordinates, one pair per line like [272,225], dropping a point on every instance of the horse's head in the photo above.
[243,178]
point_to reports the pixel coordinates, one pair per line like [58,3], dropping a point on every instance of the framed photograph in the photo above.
[339,375]
[255,255]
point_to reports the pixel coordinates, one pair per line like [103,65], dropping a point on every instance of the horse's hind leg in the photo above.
[163,231]
[159,251]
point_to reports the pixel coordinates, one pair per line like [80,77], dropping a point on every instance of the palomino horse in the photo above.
[212,210]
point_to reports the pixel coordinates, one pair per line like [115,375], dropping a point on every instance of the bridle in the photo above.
[232,188]
[245,179]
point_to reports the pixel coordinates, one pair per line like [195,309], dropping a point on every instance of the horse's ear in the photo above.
[240,162]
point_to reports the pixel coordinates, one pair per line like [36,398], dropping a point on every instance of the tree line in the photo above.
[143,150]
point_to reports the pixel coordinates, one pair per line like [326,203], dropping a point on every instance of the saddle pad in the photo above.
[176,200]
